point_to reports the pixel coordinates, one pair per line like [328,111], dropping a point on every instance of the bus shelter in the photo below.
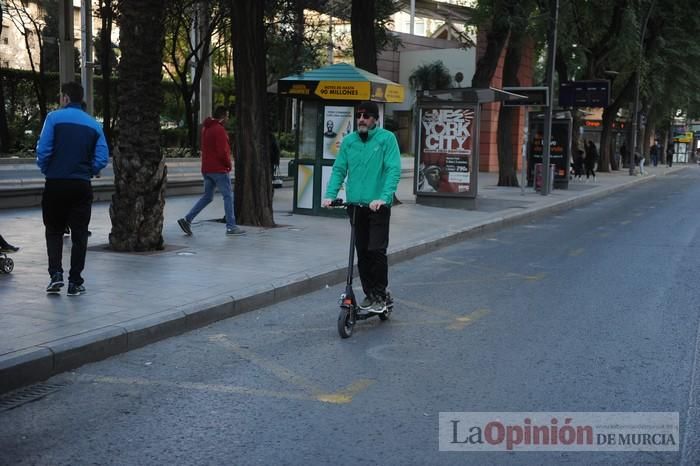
[447,144]
[325,113]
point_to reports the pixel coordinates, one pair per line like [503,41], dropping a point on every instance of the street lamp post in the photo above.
[635,111]
[551,56]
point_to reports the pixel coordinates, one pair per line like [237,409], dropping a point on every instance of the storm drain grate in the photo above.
[26,395]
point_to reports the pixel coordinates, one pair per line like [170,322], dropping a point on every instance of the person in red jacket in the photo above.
[216,166]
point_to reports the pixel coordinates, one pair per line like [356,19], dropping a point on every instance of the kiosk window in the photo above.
[309,130]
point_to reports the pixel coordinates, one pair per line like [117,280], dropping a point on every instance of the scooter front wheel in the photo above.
[345,322]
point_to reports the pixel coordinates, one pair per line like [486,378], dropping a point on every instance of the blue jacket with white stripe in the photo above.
[72,145]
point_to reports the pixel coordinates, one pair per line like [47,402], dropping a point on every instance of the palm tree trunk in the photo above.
[139,167]
[364,44]
[253,187]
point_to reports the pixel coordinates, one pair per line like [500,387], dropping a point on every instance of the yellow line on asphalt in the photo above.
[625,222]
[469,319]
[275,369]
[538,276]
[218,388]
[577,252]
[346,395]
[284,374]
[450,261]
[457,322]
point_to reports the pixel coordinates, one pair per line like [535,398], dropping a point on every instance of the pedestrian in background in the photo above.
[655,153]
[216,166]
[590,160]
[623,155]
[639,160]
[669,154]
[578,165]
[370,159]
[71,150]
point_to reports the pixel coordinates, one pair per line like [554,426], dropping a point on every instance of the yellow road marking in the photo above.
[424,308]
[461,322]
[604,235]
[218,388]
[345,396]
[449,261]
[457,322]
[284,374]
[625,222]
[577,252]
[538,276]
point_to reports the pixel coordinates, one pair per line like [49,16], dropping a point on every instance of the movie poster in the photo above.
[446,150]
[337,123]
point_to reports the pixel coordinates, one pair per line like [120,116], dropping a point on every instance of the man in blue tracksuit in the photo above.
[71,150]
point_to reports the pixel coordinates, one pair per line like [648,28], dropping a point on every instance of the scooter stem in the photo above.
[351,260]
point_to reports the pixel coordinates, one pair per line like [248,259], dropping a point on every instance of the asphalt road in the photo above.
[592,310]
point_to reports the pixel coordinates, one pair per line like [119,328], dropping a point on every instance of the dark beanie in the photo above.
[369,107]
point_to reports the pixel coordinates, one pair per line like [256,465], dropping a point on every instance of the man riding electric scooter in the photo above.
[370,159]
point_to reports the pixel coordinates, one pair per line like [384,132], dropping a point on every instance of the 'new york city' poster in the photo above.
[446,150]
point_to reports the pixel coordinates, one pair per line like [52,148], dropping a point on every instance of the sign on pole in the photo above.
[591,93]
[536,96]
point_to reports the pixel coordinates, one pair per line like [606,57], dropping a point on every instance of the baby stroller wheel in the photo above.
[345,323]
[7,265]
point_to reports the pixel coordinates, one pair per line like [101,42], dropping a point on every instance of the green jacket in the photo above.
[373,168]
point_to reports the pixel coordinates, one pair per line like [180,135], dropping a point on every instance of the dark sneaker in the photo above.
[235,231]
[75,290]
[8,248]
[185,225]
[367,303]
[378,306]
[55,284]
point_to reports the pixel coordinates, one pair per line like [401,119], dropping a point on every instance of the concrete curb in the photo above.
[39,363]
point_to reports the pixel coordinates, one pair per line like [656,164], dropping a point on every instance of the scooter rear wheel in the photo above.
[345,323]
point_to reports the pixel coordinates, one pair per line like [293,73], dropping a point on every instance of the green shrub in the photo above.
[287,142]
[173,137]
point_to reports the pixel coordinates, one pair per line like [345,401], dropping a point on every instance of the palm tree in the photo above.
[139,167]
[253,187]
[433,75]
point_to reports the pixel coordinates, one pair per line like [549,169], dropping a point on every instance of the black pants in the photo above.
[67,203]
[371,242]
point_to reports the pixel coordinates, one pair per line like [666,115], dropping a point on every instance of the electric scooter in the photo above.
[350,311]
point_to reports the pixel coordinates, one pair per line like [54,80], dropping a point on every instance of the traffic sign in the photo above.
[536,96]
[592,93]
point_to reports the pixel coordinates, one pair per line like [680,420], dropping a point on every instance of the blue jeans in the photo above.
[222,182]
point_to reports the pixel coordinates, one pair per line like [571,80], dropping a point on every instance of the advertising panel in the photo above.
[559,150]
[305,186]
[446,150]
[338,123]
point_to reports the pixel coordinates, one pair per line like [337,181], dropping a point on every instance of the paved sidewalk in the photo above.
[138,298]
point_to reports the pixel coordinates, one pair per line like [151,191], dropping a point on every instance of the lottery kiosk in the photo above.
[325,101]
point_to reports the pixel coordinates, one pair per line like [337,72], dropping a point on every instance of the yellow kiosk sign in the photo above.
[684,137]
[343,90]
